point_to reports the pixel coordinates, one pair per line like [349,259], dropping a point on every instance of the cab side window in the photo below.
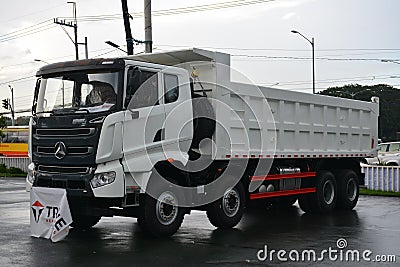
[142,89]
[171,88]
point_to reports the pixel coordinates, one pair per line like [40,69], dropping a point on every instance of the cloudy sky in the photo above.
[352,37]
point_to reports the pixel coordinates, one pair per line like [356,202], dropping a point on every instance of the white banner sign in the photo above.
[50,215]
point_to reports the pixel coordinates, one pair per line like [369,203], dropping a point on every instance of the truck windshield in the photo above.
[77,92]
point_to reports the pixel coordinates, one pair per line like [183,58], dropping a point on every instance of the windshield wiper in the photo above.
[45,111]
[69,110]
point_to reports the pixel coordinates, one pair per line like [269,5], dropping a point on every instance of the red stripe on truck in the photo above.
[283,193]
[282,176]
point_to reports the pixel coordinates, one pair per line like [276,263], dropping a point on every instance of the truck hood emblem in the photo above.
[60,150]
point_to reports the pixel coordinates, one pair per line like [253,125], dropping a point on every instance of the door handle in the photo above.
[134,114]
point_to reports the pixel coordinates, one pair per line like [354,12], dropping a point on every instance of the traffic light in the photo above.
[6,103]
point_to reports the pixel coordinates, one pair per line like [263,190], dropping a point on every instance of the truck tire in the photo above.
[162,217]
[82,222]
[227,211]
[203,120]
[348,190]
[325,197]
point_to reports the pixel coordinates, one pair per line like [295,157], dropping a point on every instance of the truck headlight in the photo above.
[101,179]
[31,173]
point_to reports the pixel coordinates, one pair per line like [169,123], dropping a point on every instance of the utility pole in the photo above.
[74,25]
[148,38]
[128,33]
[86,48]
[69,24]
[12,106]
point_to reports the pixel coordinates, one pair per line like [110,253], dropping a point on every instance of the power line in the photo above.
[285,49]
[175,11]
[17,80]
[362,78]
[47,24]
[261,57]
[32,13]
[336,81]
[51,59]
[43,26]
[26,28]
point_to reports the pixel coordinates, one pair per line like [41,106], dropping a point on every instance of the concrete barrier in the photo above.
[384,178]
[21,163]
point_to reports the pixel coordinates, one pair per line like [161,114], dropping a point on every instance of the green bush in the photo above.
[3,168]
[10,171]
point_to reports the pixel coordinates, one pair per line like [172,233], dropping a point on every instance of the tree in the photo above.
[389,111]
[3,124]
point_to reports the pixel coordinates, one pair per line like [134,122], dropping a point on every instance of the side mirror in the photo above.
[35,96]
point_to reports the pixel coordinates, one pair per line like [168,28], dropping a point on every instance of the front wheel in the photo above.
[162,216]
[82,222]
[227,211]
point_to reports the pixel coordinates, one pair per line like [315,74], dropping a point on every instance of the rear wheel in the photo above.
[348,189]
[227,211]
[324,199]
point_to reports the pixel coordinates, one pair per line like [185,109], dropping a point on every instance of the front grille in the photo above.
[65,132]
[70,150]
[58,183]
[64,170]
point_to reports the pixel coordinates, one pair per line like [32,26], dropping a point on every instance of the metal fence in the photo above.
[384,178]
[21,163]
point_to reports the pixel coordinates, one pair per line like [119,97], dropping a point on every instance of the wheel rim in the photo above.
[351,189]
[329,192]
[231,202]
[167,208]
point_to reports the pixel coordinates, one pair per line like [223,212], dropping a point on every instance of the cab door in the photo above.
[178,111]
[143,130]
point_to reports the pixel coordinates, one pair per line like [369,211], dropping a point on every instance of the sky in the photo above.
[353,38]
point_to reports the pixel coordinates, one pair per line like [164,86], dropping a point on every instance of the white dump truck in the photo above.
[154,136]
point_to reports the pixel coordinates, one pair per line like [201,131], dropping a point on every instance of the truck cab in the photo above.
[97,123]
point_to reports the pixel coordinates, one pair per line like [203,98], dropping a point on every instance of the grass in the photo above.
[369,192]
[12,174]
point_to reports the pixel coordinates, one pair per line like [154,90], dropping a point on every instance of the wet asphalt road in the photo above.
[373,225]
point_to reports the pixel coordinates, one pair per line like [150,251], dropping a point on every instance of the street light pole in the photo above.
[312,42]
[313,64]
[75,29]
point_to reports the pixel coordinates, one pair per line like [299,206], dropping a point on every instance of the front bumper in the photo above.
[76,180]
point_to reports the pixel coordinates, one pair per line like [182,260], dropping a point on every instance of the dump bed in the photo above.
[287,124]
